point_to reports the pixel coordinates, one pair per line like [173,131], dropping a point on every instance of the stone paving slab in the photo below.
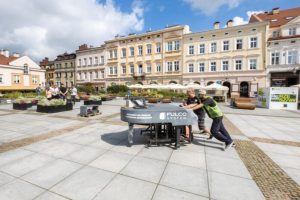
[122,187]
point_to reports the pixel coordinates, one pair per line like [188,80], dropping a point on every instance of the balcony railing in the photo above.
[137,74]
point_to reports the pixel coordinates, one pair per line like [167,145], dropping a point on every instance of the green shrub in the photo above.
[53,102]
[22,100]
[94,98]
[88,88]
[115,89]
[12,95]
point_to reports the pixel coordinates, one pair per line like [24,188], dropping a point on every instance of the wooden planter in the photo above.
[152,100]
[92,102]
[108,98]
[21,106]
[51,109]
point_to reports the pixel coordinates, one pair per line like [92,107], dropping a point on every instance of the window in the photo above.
[191,50]
[275,58]
[131,68]
[253,42]
[213,47]
[123,52]
[16,79]
[191,68]
[1,78]
[111,70]
[292,31]
[96,61]
[225,65]
[239,44]
[148,68]
[176,45]
[85,62]
[91,76]
[66,74]
[176,65]
[66,65]
[26,70]
[71,65]
[131,51]
[201,67]
[91,62]
[292,57]
[102,59]
[140,48]
[202,48]
[169,46]
[115,70]
[149,49]
[140,69]
[253,64]
[115,53]
[111,54]
[275,34]
[213,66]
[123,69]
[158,47]
[158,67]
[97,75]
[34,80]
[169,66]
[238,64]
[71,74]
[79,62]
[225,45]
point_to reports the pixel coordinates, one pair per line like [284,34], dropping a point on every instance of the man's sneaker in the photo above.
[228,146]
[210,137]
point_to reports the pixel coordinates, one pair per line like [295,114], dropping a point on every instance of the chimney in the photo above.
[83,47]
[275,10]
[229,23]
[16,55]
[6,53]
[216,25]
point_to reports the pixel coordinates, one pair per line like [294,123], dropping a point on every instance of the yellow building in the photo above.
[233,56]
[65,70]
[49,68]
[152,57]
[19,73]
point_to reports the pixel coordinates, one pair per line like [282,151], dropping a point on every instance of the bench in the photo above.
[244,103]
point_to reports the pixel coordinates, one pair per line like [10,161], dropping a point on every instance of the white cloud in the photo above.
[47,28]
[240,20]
[211,7]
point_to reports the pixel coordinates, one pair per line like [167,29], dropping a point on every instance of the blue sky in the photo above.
[158,13]
[63,25]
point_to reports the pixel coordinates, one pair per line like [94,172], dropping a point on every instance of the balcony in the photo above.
[137,74]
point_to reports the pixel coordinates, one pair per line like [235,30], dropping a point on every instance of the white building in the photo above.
[283,47]
[90,66]
[19,73]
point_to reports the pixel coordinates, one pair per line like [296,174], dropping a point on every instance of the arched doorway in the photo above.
[153,83]
[227,84]
[209,83]
[244,89]
[197,82]
[172,82]
[141,83]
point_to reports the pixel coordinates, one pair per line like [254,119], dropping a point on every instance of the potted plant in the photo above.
[52,106]
[22,103]
[93,100]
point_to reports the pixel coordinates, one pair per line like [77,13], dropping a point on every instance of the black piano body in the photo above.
[165,120]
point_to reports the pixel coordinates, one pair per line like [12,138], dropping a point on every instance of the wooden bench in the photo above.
[244,103]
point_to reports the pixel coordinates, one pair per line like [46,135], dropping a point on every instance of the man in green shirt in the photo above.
[213,111]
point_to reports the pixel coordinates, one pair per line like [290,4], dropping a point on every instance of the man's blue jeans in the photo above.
[219,132]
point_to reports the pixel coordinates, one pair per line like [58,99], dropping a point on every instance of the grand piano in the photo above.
[165,122]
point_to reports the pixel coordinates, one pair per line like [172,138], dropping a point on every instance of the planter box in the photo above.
[22,106]
[153,100]
[69,106]
[107,98]
[92,102]
[51,109]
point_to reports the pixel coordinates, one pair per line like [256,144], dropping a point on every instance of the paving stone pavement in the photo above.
[92,161]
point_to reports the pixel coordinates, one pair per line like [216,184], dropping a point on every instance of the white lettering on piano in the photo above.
[138,116]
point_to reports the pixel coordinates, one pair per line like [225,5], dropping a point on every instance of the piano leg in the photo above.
[178,132]
[130,134]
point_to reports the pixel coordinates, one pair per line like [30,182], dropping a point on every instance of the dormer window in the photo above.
[26,69]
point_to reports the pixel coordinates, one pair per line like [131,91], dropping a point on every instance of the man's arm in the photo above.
[198,106]
[190,105]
